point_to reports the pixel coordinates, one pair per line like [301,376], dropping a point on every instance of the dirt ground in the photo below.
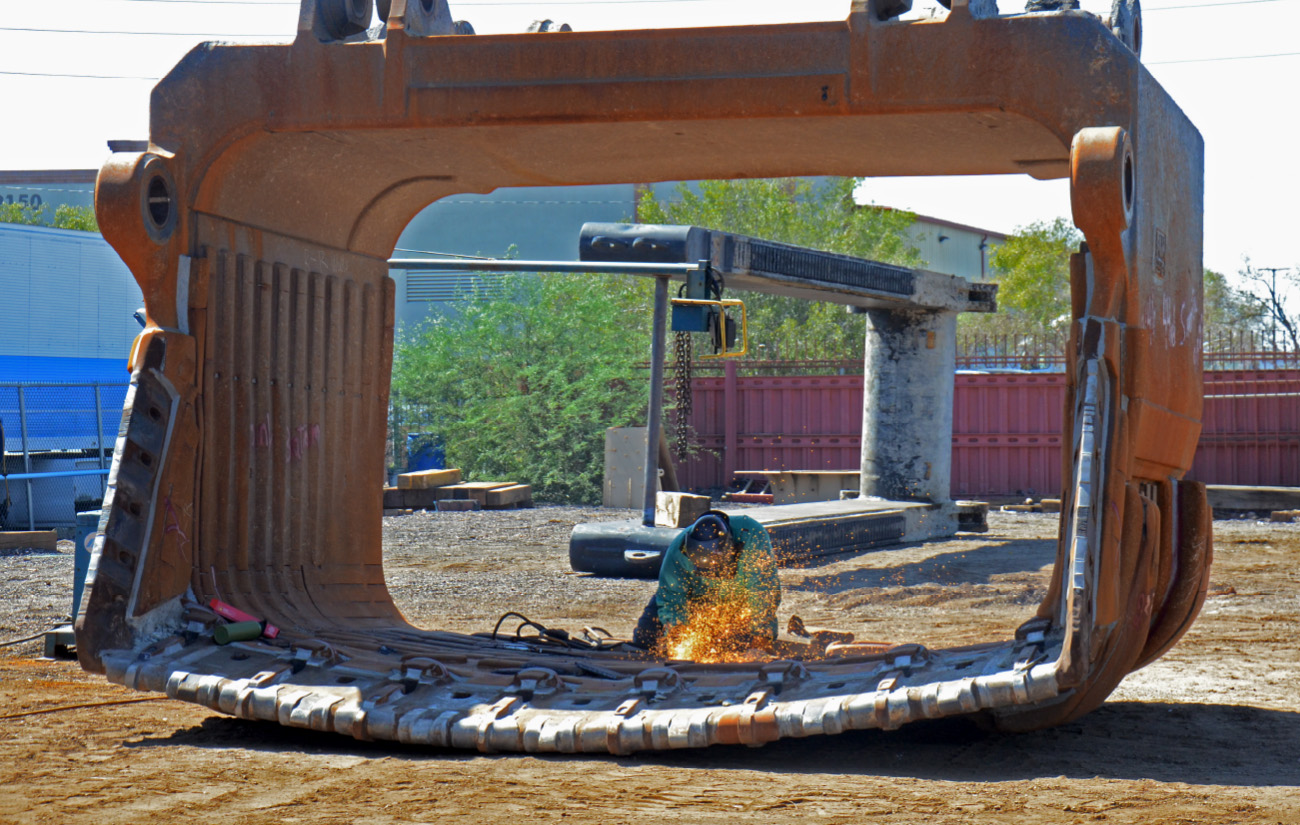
[1210,733]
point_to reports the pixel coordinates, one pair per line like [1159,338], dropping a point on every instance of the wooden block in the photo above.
[47,540]
[471,490]
[425,479]
[1260,499]
[397,511]
[1284,516]
[394,498]
[516,495]
[679,509]
[1051,505]
[458,504]
[425,499]
[972,516]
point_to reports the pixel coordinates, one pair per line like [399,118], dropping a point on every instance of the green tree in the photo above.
[1032,269]
[1033,274]
[821,215]
[1270,292]
[21,213]
[1228,311]
[81,218]
[521,383]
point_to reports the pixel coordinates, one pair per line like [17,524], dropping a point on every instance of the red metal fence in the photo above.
[1251,428]
[1006,434]
[1006,428]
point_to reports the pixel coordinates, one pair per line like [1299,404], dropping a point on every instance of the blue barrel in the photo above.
[425,451]
[87,527]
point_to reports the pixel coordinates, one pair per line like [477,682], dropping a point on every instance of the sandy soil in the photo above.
[1210,733]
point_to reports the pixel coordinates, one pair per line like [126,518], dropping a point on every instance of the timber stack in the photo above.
[443,490]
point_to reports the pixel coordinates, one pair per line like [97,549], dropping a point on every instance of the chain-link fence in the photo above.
[57,447]
[414,438]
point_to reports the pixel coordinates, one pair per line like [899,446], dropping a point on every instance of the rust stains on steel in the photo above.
[275,186]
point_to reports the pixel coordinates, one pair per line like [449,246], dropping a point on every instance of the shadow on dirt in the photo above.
[978,565]
[1195,744]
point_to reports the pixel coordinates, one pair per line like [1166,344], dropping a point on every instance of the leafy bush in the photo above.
[81,218]
[522,383]
[796,211]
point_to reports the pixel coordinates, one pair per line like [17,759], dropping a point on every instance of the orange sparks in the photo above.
[715,632]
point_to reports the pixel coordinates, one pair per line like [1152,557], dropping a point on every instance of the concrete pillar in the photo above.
[907,404]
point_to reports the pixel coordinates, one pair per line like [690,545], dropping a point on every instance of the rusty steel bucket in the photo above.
[258,225]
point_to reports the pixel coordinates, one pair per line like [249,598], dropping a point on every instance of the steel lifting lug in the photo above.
[416,669]
[657,681]
[782,671]
[532,681]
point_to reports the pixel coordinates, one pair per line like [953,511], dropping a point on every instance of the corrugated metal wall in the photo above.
[1006,429]
[63,294]
[1007,434]
[800,422]
[1251,429]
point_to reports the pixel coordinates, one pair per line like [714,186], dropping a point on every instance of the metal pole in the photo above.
[27,458]
[99,434]
[653,415]
[680,270]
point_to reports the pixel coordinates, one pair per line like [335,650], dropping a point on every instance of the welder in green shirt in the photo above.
[718,593]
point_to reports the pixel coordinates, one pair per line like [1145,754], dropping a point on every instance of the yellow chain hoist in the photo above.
[700,307]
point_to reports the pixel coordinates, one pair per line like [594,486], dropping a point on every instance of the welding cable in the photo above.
[31,638]
[86,705]
[552,637]
[524,621]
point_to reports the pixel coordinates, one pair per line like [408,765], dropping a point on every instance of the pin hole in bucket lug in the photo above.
[1129,183]
[158,208]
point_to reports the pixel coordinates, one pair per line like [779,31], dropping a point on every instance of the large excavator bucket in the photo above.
[277,181]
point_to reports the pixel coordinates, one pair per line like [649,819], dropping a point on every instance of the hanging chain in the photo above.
[682,352]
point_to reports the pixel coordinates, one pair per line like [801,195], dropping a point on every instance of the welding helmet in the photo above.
[709,544]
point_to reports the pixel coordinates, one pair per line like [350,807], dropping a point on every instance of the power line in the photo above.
[548,3]
[81,76]
[145,34]
[458,3]
[1222,59]
[216,2]
[1150,63]
[1149,9]
[521,3]
[445,254]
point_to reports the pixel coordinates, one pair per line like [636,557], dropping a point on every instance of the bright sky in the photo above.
[1231,64]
